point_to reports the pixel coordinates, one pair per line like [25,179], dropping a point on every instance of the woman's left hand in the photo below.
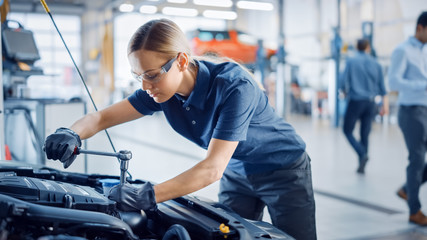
[130,198]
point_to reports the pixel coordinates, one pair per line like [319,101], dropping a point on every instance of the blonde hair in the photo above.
[164,36]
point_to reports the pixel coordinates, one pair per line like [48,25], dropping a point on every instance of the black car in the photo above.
[44,203]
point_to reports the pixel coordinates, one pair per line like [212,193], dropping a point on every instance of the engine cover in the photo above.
[54,193]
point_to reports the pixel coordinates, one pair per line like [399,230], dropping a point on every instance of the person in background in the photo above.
[408,76]
[362,81]
[259,157]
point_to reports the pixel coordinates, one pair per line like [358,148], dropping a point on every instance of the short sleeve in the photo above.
[143,103]
[237,110]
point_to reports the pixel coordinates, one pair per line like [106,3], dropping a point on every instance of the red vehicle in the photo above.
[233,44]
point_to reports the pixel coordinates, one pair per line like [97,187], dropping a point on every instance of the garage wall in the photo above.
[94,25]
[395,22]
[260,24]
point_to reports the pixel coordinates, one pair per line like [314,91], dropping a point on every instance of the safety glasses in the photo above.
[155,75]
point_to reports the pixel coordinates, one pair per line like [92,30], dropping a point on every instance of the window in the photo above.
[60,79]
[205,36]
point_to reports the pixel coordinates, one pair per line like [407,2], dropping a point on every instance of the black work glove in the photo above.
[130,198]
[60,146]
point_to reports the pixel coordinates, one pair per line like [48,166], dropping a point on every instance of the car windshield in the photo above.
[211,35]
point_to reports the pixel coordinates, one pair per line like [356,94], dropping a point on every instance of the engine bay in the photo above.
[43,203]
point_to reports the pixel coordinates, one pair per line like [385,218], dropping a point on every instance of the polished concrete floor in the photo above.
[348,205]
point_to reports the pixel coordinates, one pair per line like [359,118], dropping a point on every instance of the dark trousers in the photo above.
[363,110]
[413,123]
[287,193]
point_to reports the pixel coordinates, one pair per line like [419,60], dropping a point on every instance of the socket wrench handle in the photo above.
[123,155]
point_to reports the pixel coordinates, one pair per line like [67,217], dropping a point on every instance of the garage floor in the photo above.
[349,206]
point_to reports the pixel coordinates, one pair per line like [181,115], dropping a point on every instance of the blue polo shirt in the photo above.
[226,103]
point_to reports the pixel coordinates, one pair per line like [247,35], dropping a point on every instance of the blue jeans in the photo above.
[288,194]
[363,110]
[413,123]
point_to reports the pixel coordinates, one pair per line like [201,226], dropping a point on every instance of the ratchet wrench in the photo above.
[123,155]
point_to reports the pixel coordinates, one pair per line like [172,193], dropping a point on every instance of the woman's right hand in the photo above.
[61,146]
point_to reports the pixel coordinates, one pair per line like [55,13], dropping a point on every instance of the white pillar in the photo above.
[280,74]
[280,90]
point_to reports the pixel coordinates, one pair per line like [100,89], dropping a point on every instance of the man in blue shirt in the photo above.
[258,157]
[408,76]
[362,82]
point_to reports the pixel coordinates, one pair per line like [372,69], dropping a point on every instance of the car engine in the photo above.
[46,204]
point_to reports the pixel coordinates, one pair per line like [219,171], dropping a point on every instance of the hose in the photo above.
[176,232]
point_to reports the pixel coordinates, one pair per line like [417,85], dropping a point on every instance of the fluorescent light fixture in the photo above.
[177,1]
[263,6]
[214,3]
[228,15]
[149,9]
[126,7]
[185,12]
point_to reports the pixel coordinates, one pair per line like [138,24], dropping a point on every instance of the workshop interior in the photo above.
[62,59]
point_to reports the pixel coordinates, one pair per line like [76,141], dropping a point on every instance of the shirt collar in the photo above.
[417,43]
[198,95]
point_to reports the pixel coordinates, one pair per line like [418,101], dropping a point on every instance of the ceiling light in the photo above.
[126,7]
[186,12]
[177,1]
[263,6]
[214,3]
[228,15]
[149,9]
